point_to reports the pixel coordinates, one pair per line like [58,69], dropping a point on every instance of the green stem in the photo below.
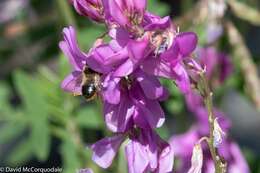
[75,134]
[220,166]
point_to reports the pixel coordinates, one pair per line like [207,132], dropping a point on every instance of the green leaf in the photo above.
[40,139]
[11,131]
[158,7]
[88,36]
[71,161]
[202,33]
[163,132]
[21,153]
[175,106]
[89,117]
[4,93]
[64,66]
[36,109]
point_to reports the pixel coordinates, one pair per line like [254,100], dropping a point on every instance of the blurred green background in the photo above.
[42,126]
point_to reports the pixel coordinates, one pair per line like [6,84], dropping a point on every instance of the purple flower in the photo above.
[170,62]
[145,151]
[182,146]
[195,104]
[142,48]
[105,150]
[129,95]
[218,65]
[153,22]
[91,8]
[237,163]
[234,157]
[171,48]
[73,82]
[148,153]
[138,104]
[122,55]
[126,13]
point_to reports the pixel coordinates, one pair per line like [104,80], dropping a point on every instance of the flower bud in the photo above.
[218,134]
[91,8]
[196,160]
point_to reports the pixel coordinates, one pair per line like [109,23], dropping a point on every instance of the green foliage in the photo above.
[88,36]
[21,153]
[36,111]
[71,160]
[158,7]
[89,117]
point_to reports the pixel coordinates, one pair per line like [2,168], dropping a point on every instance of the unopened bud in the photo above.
[91,8]
[196,160]
[218,134]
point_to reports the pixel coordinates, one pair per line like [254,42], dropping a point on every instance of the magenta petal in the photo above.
[116,58]
[105,150]
[136,157]
[140,5]
[166,160]
[98,56]
[116,12]
[156,22]
[152,113]
[171,55]
[208,59]
[187,42]
[182,80]
[117,116]
[139,119]
[70,48]
[120,36]
[111,89]
[119,33]
[94,63]
[137,49]
[239,164]
[104,58]
[72,83]
[157,67]
[150,139]
[137,5]
[91,9]
[125,69]
[149,113]
[182,144]
[151,85]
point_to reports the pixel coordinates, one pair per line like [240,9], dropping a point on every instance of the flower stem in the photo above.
[66,12]
[220,165]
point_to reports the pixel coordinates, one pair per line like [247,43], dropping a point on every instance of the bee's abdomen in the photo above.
[88,91]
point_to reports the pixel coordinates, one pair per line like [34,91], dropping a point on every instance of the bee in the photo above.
[91,84]
[160,41]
